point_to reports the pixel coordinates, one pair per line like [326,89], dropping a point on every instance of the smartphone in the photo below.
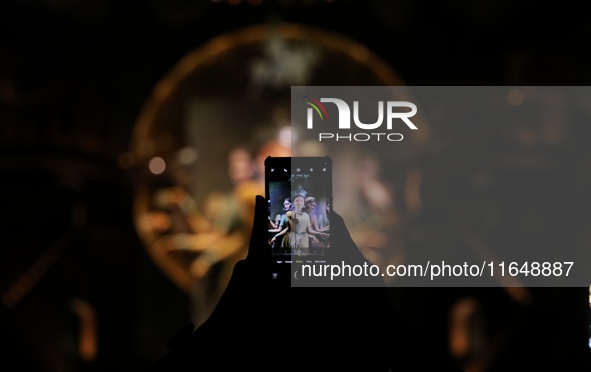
[300,202]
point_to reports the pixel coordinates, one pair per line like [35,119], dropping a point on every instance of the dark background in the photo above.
[74,76]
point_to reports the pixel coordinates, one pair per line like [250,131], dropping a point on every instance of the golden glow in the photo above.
[88,335]
[149,142]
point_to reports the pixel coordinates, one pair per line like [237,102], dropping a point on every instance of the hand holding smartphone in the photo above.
[298,191]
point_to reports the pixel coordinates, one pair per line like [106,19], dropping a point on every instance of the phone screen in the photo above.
[299,196]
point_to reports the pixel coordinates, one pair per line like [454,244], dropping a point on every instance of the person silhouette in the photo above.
[280,221]
[258,324]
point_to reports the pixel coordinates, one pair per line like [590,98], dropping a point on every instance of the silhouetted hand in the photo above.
[257,324]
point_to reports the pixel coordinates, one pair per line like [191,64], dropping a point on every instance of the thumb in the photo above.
[341,238]
[258,248]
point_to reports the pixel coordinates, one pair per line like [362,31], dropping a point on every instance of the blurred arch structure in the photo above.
[201,139]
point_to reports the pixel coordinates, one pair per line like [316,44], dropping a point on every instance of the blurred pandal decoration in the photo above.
[201,139]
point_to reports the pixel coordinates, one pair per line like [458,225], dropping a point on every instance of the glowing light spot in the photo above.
[187,155]
[516,97]
[157,165]
[285,136]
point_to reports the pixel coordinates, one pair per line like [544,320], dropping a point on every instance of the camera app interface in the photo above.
[299,212]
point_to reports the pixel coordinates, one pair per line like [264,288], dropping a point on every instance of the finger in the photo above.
[341,237]
[258,247]
[344,249]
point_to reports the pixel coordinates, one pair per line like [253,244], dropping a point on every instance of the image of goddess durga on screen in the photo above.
[301,234]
